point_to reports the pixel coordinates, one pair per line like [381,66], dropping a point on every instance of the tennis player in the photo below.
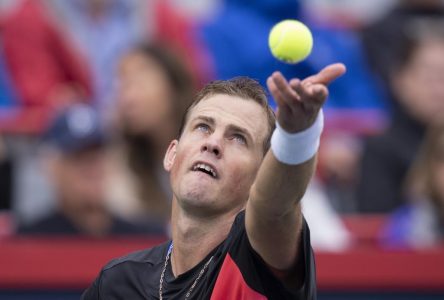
[237,227]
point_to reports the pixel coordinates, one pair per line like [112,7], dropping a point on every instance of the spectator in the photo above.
[389,30]
[46,73]
[338,166]
[417,86]
[103,30]
[153,91]
[420,222]
[45,68]
[76,164]
[180,31]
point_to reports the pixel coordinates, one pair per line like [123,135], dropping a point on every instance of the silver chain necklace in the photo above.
[167,258]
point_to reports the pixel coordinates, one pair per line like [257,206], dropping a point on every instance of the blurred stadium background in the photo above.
[73,196]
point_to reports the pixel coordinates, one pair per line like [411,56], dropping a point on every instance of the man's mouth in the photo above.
[207,169]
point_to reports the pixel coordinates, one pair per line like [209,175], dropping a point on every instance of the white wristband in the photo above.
[296,148]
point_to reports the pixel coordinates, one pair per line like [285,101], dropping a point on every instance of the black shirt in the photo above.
[385,162]
[235,272]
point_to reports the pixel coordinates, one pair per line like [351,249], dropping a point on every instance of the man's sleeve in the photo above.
[258,276]
[303,288]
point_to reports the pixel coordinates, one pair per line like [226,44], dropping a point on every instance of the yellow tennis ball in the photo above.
[290,41]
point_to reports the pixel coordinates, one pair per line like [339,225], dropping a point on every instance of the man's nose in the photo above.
[213,145]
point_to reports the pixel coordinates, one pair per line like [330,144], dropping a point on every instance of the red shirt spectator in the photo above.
[44,68]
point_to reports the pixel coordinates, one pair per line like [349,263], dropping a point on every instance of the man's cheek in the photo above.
[177,166]
[241,180]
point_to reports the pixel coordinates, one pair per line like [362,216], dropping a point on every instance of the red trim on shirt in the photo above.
[230,284]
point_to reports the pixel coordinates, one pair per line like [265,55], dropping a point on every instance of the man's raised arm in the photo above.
[273,214]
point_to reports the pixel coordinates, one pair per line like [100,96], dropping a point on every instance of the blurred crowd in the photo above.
[92,92]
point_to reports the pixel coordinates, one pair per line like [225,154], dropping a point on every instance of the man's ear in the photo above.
[170,155]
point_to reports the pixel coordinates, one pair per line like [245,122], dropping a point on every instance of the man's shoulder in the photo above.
[150,256]
[129,276]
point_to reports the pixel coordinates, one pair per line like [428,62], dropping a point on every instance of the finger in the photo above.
[274,90]
[294,83]
[327,75]
[318,92]
[289,94]
[313,90]
[313,96]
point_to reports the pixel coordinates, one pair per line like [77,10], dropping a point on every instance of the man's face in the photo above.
[215,162]
[142,107]
[79,179]
[420,84]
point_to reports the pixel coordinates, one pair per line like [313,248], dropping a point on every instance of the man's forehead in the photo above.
[228,106]
[233,110]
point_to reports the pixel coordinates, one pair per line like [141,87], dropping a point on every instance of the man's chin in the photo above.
[199,185]
[196,201]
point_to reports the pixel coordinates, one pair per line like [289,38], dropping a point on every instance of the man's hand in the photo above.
[300,101]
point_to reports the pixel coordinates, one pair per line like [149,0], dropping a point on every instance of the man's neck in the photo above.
[195,237]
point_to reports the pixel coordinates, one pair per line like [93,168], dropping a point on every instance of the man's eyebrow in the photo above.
[206,119]
[242,130]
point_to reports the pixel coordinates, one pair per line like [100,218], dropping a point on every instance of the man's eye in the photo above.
[203,127]
[240,139]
